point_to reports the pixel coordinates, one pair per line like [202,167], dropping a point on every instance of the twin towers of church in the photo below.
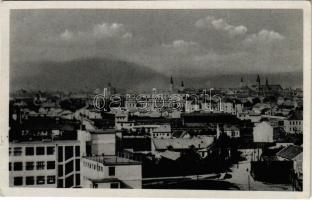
[242,84]
[172,88]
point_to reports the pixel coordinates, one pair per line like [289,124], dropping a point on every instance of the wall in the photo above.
[263,132]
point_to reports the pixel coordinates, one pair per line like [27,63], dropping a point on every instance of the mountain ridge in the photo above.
[87,74]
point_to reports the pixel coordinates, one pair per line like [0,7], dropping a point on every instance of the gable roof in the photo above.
[171,155]
[290,152]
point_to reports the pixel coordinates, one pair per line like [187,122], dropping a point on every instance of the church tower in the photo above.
[258,80]
[182,86]
[171,84]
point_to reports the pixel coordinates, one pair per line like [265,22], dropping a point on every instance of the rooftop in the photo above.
[181,143]
[209,118]
[113,160]
[290,152]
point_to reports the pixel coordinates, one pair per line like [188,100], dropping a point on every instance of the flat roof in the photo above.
[113,160]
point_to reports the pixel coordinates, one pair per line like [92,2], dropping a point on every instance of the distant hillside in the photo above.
[91,73]
[83,74]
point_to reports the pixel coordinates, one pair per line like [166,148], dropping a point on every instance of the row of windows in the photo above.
[95,185]
[40,165]
[112,185]
[50,150]
[294,129]
[93,166]
[30,151]
[31,180]
[111,170]
[295,122]
[161,134]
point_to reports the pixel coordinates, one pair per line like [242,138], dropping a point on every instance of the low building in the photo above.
[111,172]
[163,131]
[231,131]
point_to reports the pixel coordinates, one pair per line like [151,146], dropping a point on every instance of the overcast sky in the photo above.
[193,42]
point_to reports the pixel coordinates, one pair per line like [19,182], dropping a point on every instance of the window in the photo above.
[233,133]
[77,151]
[51,165]
[18,181]
[69,152]
[40,165]
[17,151]
[40,180]
[69,167]
[10,166]
[18,166]
[10,151]
[30,166]
[60,183]
[60,170]
[77,179]
[51,179]
[30,151]
[77,165]
[69,181]
[60,154]
[40,151]
[30,180]
[111,171]
[50,150]
[114,185]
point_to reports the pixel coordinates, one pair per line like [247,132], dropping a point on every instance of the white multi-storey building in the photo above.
[44,164]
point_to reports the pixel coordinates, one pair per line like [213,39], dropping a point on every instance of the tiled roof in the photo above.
[290,152]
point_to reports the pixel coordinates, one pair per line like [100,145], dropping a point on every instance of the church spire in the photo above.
[242,82]
[258,79]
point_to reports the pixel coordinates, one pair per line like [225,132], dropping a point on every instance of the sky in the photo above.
[183,42]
